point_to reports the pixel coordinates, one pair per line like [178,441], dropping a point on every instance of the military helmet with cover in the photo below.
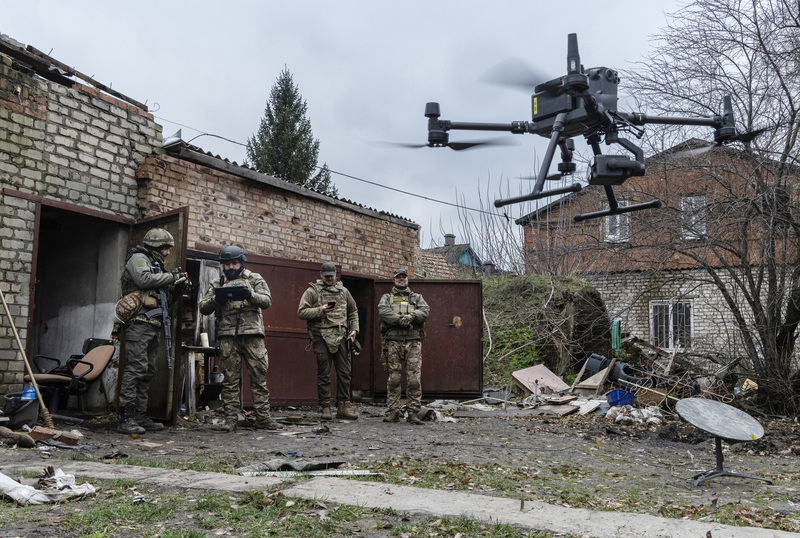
[158,238]
[232,253]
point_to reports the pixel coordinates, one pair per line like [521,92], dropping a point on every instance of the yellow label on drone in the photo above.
[535,106]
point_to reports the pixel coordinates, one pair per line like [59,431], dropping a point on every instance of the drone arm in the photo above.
[637,118]
[724,125]
[516,127]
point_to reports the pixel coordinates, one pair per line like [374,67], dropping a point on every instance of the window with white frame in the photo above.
[671,323]
[617,227]
[693,216]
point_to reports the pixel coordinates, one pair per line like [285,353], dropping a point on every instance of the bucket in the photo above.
[20,411]
[619,397]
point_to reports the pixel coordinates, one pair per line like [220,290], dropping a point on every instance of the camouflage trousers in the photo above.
[141,352]
[341,361]
[395,353]
[250,349]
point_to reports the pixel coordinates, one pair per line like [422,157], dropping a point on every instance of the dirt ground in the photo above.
[600,464]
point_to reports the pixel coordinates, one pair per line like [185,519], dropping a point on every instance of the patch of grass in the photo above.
[462,526]
[570,486]
[124,508]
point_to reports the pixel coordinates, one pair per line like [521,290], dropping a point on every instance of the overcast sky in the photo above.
[366,68]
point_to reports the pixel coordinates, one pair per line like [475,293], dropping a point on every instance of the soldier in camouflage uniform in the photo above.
[402,315]
[144,270]
[332,317]
[238,298]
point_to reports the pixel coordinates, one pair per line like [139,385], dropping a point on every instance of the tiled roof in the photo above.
[430,265]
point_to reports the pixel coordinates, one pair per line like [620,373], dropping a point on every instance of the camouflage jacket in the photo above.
[142,272]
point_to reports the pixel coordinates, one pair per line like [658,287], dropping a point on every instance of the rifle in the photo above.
[347,337]
[167,323]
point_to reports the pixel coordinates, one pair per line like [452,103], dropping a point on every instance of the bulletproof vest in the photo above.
[338,316]
[401,305]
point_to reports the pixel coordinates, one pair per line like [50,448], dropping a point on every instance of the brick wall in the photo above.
[229,204]
[71,145]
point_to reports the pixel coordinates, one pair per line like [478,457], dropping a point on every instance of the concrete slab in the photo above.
[437,503]
[532,515]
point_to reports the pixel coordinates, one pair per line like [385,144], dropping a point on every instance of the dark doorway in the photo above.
[78,262]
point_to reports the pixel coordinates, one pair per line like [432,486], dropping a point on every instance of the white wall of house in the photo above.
[629,295]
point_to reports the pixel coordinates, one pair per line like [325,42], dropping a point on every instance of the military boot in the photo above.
[268,423]
[227,424]
[413,419]
[326,411]
[391,416]
[147,423]
[127,420]
[343,411]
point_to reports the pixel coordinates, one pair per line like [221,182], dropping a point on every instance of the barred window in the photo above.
[671,324]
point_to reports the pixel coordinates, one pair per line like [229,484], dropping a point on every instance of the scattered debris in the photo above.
[56,486]
[627,415]
[539,380]
[12,438]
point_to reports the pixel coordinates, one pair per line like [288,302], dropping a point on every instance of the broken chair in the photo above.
[57,381]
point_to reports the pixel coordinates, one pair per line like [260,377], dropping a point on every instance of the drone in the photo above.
[583,102]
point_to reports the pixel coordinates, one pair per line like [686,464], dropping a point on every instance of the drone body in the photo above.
[582,102]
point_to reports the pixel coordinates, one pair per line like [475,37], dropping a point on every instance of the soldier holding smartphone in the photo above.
[332,317]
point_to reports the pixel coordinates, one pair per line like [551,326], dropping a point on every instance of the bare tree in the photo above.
[737,218]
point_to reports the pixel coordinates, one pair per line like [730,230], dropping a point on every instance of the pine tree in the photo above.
[284,145]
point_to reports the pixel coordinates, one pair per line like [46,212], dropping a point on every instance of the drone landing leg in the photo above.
[537,193]
[615,209]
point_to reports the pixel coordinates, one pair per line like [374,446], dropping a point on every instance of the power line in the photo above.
[407,193]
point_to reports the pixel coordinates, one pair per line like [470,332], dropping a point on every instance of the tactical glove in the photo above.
[405,321]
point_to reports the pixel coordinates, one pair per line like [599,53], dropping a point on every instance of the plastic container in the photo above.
[595,363]
[28,393]
[20,411]
[619,397]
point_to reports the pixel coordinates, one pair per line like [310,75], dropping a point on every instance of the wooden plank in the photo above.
[579,376]
[606,373]
[548,382]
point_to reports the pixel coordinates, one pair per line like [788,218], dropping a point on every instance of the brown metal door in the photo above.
[452,364]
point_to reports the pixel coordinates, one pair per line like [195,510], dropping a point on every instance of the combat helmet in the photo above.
[232,253]
[158,238]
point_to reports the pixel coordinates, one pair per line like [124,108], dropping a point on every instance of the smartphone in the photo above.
[331,303]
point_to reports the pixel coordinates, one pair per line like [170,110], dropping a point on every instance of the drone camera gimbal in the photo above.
[583,102]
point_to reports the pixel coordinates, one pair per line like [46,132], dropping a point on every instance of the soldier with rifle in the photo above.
[145,273]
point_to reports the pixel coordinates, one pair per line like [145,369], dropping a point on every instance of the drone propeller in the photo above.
[551,177]
[515,73]
[750,135]
[455,146]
